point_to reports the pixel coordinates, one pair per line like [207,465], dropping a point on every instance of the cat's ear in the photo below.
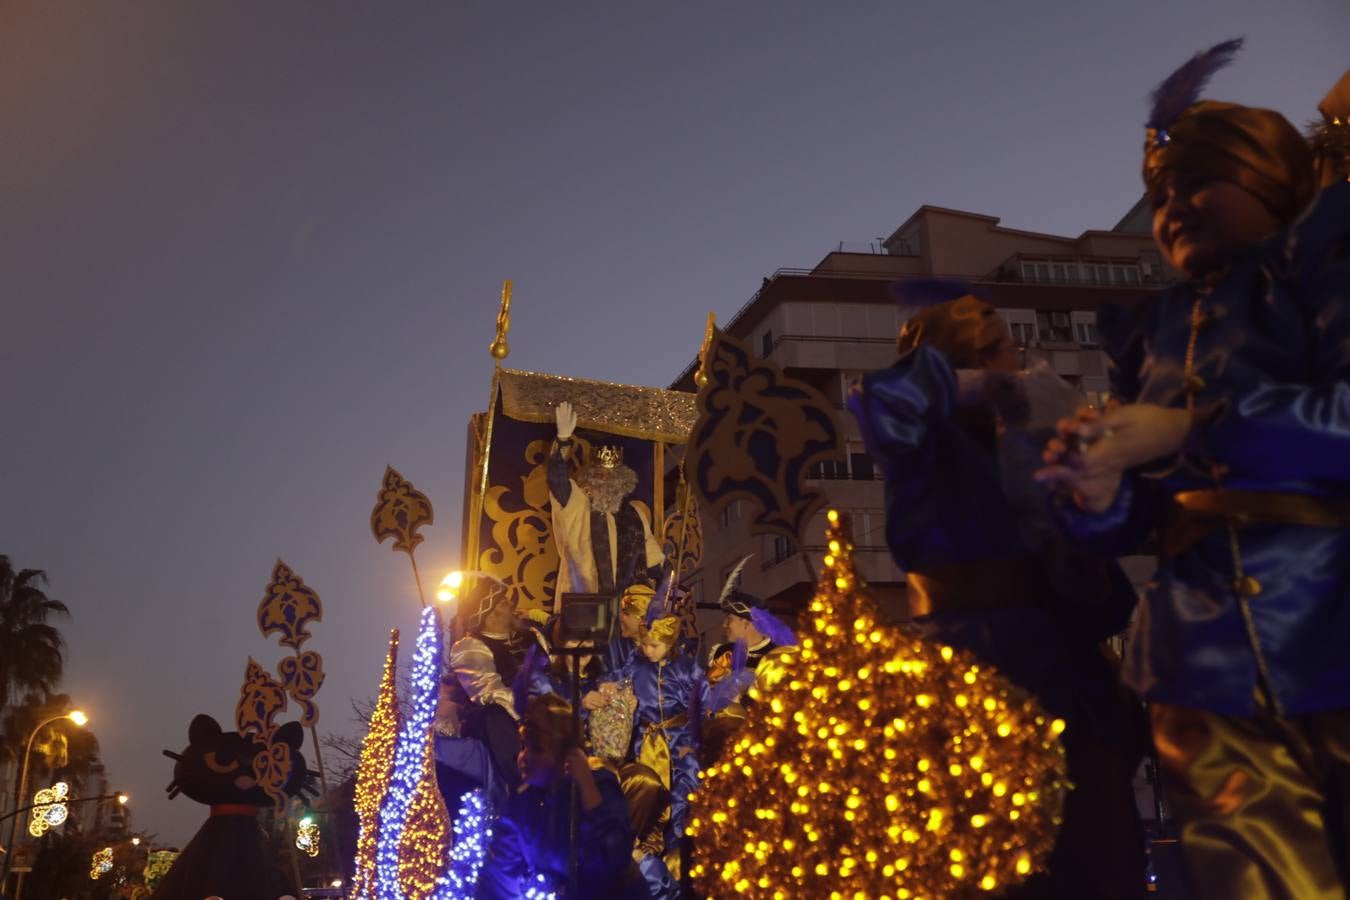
[291,733]
[203,729]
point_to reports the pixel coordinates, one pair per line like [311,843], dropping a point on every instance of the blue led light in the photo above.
[408,755]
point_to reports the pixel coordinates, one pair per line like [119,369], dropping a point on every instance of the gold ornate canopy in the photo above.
[652,414]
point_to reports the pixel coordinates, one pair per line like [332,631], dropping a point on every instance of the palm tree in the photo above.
[31,650]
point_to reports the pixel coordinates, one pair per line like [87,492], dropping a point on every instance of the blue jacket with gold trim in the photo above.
[1272,404]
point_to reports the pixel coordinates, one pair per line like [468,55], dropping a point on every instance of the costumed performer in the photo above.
[989,572]
[531,840]
[670,688]
[486,661]
[605,542]
[1233,442]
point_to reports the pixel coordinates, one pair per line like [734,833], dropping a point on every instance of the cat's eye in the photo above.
[216,766]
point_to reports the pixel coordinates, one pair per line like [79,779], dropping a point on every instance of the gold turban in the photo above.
[664,630]
[636,599]
[965,330]
[1256,149]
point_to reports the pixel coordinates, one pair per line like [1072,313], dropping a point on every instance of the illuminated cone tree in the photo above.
[881,766]
[373,771]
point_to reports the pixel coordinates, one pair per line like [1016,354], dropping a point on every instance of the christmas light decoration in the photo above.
[539,890]
[422,860]
[424,850]
[50,809]
[307,837]
[373,771]
[880,766]
[473,834]
[101,864]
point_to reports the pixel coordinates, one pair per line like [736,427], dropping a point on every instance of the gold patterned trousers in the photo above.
[1262,801]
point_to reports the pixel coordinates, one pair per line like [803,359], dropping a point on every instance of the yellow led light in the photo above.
[923,782]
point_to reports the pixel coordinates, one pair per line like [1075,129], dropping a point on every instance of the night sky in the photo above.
[250,254]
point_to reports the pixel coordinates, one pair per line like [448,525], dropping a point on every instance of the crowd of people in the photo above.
[1226,445]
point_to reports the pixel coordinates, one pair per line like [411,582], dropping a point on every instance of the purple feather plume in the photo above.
[1182,88]
[658,608]
[738,656]
[769,625]
[694,712]
[530,667]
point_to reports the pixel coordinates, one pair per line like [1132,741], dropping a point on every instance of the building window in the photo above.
[1023,333]
[731,513]
[830,470]
[1054,326]
[783,549]
[766,344]
[1087,333]
[862,467]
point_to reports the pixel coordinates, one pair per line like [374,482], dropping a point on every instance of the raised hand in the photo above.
[566,418]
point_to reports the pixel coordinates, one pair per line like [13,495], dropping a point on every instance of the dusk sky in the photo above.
[250,254]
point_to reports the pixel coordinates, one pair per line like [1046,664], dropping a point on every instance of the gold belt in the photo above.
[1194,514]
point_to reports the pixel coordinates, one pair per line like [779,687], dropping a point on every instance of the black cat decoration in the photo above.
[226,858]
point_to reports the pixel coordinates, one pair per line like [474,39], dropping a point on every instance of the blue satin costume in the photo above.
[532,837]
[663,690]
[1273,410]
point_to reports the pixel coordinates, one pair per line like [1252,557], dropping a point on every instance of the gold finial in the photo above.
[701,376]
[499,347]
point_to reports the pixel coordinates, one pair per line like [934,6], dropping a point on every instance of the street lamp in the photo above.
[74,715]
[450,587]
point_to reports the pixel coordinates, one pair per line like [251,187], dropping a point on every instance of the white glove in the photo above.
[567,420]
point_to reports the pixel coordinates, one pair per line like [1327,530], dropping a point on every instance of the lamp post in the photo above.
[74,715]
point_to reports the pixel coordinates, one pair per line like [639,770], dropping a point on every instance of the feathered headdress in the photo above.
[731,598]
[1179,91]
[773,628]
[920,293]
[660,621]
[1256,149]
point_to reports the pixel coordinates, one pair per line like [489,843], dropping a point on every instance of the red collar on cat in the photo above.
[233,809]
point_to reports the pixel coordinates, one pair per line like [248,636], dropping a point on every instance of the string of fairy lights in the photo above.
[409,754]
[373,771]
[473,834]
[404,851]
[881,766]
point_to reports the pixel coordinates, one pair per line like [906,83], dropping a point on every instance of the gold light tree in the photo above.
[374,770]
[427,835]
[881,766]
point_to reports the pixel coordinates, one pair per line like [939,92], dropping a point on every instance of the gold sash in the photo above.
[654,751]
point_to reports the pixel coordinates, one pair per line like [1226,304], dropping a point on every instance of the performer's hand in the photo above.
[1093,450]
[578,768]
[1073,465]
[593,700]
[566,418]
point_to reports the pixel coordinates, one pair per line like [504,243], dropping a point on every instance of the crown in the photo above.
[609,457]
